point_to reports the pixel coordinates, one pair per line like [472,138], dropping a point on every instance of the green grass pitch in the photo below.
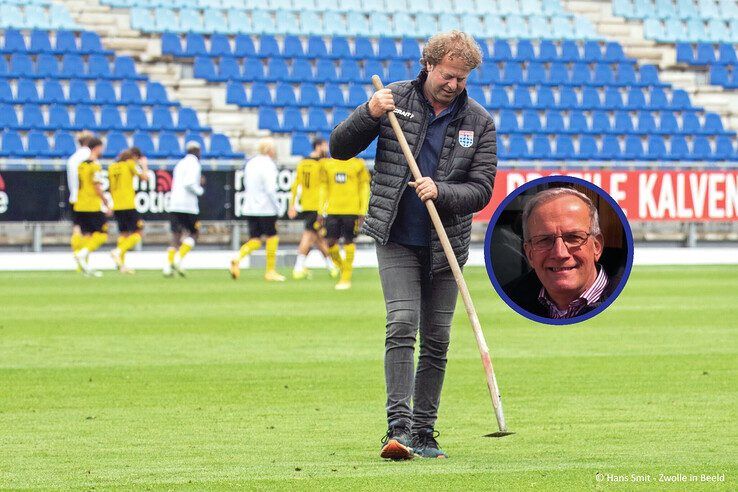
[205,383]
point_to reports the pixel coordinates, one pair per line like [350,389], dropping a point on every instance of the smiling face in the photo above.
[564,272]
[446,80]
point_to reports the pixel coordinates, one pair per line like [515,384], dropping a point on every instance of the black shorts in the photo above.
[91,222]
[128,220]
[74,217]
[181,221]
[345,226]
[262,226]
[311,221]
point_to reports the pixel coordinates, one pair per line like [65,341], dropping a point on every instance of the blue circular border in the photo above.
[558,179]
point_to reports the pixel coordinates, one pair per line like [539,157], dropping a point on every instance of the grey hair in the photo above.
[547,195]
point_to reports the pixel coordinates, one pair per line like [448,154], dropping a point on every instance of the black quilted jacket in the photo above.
[465,173]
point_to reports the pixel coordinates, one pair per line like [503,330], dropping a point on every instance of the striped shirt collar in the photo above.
[588,297]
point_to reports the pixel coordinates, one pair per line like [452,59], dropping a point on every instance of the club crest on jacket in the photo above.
[466,138]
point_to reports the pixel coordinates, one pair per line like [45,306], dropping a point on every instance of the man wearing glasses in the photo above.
[563,243]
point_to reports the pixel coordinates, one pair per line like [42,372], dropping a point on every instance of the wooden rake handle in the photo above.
[494,390]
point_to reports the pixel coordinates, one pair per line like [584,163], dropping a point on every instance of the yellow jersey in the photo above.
[89,175]
[120,175]
[307,179]
[346,187]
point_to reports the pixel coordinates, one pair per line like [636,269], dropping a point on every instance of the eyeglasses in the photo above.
[572,240]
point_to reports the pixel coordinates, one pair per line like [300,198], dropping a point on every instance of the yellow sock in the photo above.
[348,262]
[186,247]
[171,251]
[271,253]
[121,241]
[128,244]
[249,247]
[335,252]
[96,240]
[77,241]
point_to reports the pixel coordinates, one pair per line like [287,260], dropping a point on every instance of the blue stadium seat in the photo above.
[600,122]
[203,68]
[657,99]
[4,70]
[110,119]
[136,119]
[33,118]
[521,97]
[635,99]
[590,98]
[486,74]
[558,74]
[276,70]
[363,48]
[187,120]
[554,123]
[536,73]
[157,94]
[614,53]
[349,71]
[244,46]
[668,124]
[220,45]
[335,24]
[21,65]
[531,122]
[547,51]
[316,47]
[161,118]
[194,45]
[268,47]
[284,95]
[104,93]
[168,145]
[235,94]
[143,141]
[125,68]
[623,123]
[680,100]
[713,124]
[130,93]
[66,42]
[541,147]
[6,94]
[268,119]
[581,74]
[356,95]
[386,49]
[301,145]
[705,54]
[309,96]
[89,43]
[12,145]
[214,21]
[196,137]
[499,97]
[524,51]
[73,67]
[260,95]
[613,99]
[501,51]
[292,47]
[727,54]
[724,149]
[587,148]
[300,71]
[410,50]
[84,118]
[220,146]
[325,71]
[477,93]
[228,69]
[649,75]
[372,67]
[513,73]
[570,51]
[646,123]
[340,48]
[334,96]
[701,150]
[98,67]
[691,123]
[633,148]
[171,44]
[14,42]
[678,148]
[115,143]
[59,118]
[517,147]
[317,121]
[26,92]
[39,42]
[564,148]
[63,144]
[339,114]
[238,22]
[603,75]
[190,20]
[508,122]
[292,120]
[719,75]
[253,69]
[312,23]
[592,51]
[545,98]
[397,70]
[610,148]
[626,75]
[577,123]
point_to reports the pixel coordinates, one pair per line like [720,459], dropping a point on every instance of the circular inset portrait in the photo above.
[558,250]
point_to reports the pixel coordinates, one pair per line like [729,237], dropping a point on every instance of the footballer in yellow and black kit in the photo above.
[307,180]
[346,200]
[120,176]
[89,204]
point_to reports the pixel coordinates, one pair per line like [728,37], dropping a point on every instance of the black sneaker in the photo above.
[424,444]
[396,444]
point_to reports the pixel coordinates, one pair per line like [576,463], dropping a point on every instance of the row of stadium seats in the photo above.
[363,6]
[510,73]
[40,41]
[333,95]
[724,75]
[382,48]
[302,145]
[168,145]
[695,30]
[48,66]
[610,147]
[681,9]
[377,23]
[529,122]
[706,54]
[58,117]
[35,16]
[78,91]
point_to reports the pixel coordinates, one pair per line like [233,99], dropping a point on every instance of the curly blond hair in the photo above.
[456,44]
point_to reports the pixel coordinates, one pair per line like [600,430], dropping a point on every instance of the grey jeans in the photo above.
[415,299]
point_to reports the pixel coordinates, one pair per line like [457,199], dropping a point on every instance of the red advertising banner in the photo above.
[645,195]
